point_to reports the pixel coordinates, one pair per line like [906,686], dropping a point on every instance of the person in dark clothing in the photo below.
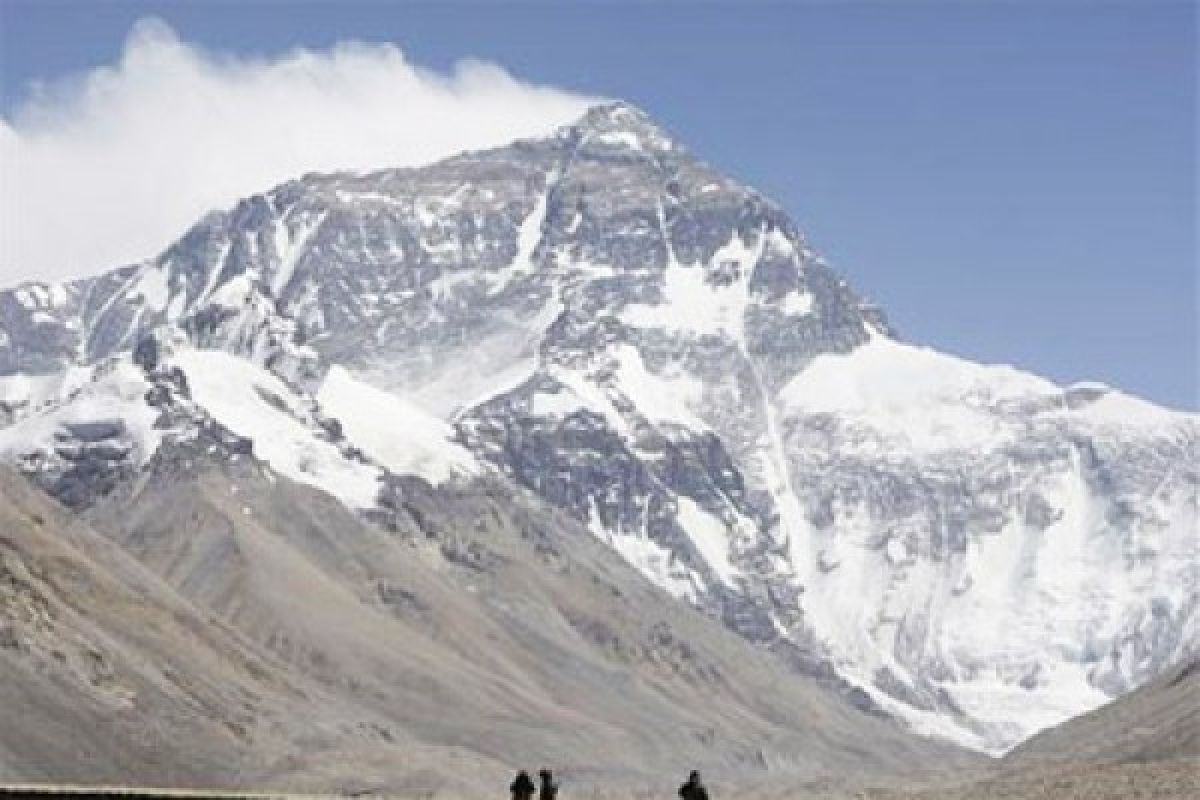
[548,789]
[693,789]
[522,787]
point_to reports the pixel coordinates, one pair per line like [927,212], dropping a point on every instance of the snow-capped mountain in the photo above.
[655,349]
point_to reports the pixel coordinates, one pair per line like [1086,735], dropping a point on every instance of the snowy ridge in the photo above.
[114,416]
[254,403]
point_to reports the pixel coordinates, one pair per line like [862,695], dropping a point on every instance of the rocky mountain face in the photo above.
[654,351]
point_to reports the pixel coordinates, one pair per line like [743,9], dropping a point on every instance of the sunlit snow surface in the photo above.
[914,397]
[29,393]
[254,403]
[397,434]
[1014,623]
[108,395]
[693,302]
[654,561]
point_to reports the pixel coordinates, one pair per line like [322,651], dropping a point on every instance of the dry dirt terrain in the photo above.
[1174,779]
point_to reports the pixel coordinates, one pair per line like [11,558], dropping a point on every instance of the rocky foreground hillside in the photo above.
[218,625]
[651,355]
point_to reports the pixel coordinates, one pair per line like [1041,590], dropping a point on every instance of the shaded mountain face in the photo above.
[654,351]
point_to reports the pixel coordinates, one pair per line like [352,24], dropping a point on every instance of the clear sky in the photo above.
[1013,182]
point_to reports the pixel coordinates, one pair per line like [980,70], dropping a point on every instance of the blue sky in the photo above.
[1013,182]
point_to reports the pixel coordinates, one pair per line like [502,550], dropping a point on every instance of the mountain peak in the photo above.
[615,112]
[652,349]
[619,123]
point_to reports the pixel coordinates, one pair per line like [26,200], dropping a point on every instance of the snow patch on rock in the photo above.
[396,433]
[255,404]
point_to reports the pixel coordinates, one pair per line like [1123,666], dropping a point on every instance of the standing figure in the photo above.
[549,789]
[693,789]
[522,786]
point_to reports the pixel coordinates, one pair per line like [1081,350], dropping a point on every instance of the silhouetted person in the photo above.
[693,789]
[522,787]
[549,789]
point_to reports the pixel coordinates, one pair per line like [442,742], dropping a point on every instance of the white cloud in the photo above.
[108,167]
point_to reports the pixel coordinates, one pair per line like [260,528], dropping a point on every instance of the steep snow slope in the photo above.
[393,432]
[254,403]
[1078,576]
[656,350]
[114,420]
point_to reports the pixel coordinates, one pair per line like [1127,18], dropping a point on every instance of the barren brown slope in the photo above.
[110,677]
[105,673]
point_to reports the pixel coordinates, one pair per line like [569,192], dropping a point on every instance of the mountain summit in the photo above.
[655,350]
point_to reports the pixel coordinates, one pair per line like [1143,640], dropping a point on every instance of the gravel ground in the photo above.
[1177,779]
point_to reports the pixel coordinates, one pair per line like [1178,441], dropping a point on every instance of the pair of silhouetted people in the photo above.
[522,787]
[693,789]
